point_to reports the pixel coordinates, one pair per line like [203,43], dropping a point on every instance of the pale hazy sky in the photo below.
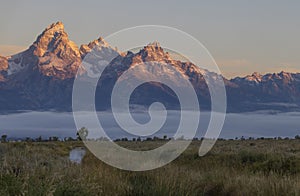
[243,36]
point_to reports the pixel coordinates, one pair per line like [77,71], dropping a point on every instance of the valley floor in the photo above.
[234,167]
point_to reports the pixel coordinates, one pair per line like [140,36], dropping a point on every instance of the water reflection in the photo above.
[77,154]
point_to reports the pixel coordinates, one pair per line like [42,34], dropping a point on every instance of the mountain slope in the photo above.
[41,77]
[3,68]
[149,63]
[57,55]
[280,91]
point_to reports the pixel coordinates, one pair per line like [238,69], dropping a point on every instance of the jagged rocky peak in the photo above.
[153,52]
[99,43]
[54,39]
[255,77]
[58,56]
[256,74]
[55,27]
[284,74]
[154,45]
[279,76]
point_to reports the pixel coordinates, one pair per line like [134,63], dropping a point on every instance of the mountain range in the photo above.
[41,78]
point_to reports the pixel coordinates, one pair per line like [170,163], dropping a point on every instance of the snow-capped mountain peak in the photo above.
[96,45]
[153,52]
[54,39]
[41,77]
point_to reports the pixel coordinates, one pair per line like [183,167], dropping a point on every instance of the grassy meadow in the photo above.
[232,167]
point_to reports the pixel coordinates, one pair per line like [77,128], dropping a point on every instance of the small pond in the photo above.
[77,154]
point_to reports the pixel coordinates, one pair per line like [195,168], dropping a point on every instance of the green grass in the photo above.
[249,167]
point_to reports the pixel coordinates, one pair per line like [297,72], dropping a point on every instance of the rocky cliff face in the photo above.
[3,68]
[160,63]
[58,57]
[98,44]
[147,93]
[3,63]
[276,87]
[52,55]
[41,77]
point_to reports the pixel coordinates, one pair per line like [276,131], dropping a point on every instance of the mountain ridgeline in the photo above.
[41,78]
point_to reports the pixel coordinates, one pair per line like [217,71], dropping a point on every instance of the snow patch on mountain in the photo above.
[15,64]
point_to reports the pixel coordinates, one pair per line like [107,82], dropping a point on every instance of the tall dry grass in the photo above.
[256,167]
